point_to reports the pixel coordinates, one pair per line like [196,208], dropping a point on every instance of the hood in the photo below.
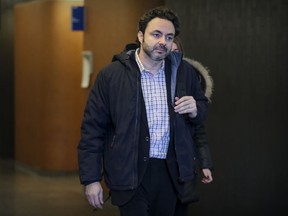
[122,57]
[175,58]
[205,78]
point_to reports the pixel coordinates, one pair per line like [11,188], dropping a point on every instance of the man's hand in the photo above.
[186,105]
[94,194]
[207,176]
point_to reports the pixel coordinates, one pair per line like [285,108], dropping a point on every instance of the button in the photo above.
[145,159]
[147,139]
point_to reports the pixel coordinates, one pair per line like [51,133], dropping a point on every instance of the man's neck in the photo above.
[149,64]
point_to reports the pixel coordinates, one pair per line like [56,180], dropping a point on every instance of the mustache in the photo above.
[161,47]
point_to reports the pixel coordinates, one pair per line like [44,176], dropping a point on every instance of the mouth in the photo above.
[159,50]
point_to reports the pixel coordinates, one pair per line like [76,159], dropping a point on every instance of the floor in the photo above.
[26,193]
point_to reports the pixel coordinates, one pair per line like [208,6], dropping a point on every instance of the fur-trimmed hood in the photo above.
[205,78]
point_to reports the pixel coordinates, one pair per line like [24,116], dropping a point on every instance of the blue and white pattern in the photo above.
[155,97]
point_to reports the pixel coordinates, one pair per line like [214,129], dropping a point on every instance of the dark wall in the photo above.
[7,77]
[244,44]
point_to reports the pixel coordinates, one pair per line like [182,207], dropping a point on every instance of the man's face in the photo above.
[157,40]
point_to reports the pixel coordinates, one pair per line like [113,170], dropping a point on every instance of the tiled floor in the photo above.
[25,193]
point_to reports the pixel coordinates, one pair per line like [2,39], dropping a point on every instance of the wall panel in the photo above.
[48,99]
[111,25]
[244,44]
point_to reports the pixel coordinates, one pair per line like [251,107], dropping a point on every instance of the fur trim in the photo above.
[205,74]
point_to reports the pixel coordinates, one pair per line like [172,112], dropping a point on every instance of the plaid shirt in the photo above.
[155,97]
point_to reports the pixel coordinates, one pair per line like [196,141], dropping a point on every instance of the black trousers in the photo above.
[156,195]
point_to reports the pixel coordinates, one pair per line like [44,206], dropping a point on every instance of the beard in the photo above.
[157,53]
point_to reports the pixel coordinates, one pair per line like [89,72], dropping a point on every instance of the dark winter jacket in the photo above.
[111,122]
[200,136]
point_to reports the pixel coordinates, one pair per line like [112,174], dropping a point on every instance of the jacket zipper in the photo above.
[136,128]
[113,142]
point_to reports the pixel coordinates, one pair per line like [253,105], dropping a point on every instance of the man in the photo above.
[139,120]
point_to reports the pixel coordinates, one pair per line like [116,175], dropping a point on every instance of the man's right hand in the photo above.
[94,194]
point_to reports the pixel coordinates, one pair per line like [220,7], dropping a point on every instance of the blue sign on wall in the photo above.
[78,18]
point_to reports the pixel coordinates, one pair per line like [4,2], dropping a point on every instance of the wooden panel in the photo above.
[48,99]
[111,25]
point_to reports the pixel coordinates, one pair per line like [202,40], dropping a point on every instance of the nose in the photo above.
[162,40]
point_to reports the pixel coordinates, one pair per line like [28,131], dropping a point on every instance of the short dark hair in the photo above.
[160,12]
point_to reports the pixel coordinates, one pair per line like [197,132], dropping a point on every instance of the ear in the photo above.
[140,36]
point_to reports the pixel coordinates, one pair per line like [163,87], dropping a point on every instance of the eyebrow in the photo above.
[157,31]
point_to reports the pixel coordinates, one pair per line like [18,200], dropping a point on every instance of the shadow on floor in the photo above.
[26,193]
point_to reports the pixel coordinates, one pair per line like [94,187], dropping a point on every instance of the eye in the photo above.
[156,35]
[169,38]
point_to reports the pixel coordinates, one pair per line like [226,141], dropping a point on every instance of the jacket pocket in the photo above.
[190,191]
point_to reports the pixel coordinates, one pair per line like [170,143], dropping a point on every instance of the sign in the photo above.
[78,18]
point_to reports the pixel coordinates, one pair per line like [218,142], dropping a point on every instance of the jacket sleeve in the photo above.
[202,148]
[198,94]
[93,132]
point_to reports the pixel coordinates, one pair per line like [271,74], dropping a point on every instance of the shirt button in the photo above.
[145,159]
[147,139]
